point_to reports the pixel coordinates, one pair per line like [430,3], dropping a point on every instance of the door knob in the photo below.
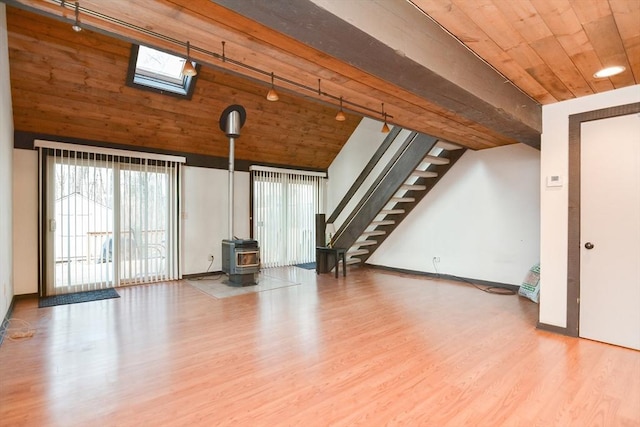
[588,245]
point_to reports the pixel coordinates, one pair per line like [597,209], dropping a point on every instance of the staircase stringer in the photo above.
[384,189]
[453,156]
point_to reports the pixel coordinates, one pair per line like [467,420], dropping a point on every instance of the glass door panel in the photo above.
[81,225]
[144,193]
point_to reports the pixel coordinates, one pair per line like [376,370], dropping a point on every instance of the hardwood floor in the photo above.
[375,348]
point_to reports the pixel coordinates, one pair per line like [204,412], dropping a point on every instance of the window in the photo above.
[161,72]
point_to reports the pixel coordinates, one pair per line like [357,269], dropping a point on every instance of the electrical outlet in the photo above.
[436,259]
[210,257]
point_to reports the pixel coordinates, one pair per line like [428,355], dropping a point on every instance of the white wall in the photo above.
[481,220]
[351,159]
[6,145]
[554,200]
[205,212]
[25,221]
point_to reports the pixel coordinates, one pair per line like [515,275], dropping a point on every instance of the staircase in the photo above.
[415,169]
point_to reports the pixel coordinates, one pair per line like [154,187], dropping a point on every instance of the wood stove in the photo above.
[241,261]
[240,257]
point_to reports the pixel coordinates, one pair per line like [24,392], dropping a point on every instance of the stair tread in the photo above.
[373,233]
[392,211]
[402,199]
[425,174]
[365,243]
[354,261]
[414,187]
[357,252]
[383,222]
[435,160]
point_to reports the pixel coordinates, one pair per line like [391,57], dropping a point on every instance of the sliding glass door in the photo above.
[284,206]
[144,224]
[109,220]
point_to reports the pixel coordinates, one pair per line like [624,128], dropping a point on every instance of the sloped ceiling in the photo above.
[72,85]
[549,48]
[544,50]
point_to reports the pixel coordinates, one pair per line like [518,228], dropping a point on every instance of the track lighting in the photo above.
[272,95]
[340,116]
[76,25]
[189,69]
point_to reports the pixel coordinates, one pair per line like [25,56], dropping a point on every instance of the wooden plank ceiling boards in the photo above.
[549,48]
[72,84]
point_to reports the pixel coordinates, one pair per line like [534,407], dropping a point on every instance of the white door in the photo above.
[610,231]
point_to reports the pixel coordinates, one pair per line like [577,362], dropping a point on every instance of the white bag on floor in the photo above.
[530,287]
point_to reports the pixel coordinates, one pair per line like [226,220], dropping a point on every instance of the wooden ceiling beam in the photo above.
[454,78]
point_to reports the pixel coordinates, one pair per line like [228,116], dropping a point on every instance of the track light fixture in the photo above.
[189,69]
[340,116]
[76,25]
[385,126]
[272,95]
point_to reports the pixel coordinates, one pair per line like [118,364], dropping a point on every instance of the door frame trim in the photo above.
[573,235]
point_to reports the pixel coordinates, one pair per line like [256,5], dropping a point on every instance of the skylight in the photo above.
[158,71]
[159,64]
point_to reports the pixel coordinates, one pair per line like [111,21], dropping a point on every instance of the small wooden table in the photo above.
[322,259]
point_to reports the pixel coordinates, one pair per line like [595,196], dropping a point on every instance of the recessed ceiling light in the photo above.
[609,71]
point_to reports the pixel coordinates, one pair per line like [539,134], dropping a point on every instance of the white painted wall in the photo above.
[481,219]
[205,213]
[25,221]
[6,161]
[554,200]
[351,159]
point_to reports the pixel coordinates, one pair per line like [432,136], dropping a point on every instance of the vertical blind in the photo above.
[284,206]
[110,217]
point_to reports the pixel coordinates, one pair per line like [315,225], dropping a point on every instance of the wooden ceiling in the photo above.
[549,48]
[72,84]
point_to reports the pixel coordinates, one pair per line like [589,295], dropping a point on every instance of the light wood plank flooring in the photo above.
[375,348]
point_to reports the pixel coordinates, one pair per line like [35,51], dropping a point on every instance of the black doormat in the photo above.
[307,265]
[77,297]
